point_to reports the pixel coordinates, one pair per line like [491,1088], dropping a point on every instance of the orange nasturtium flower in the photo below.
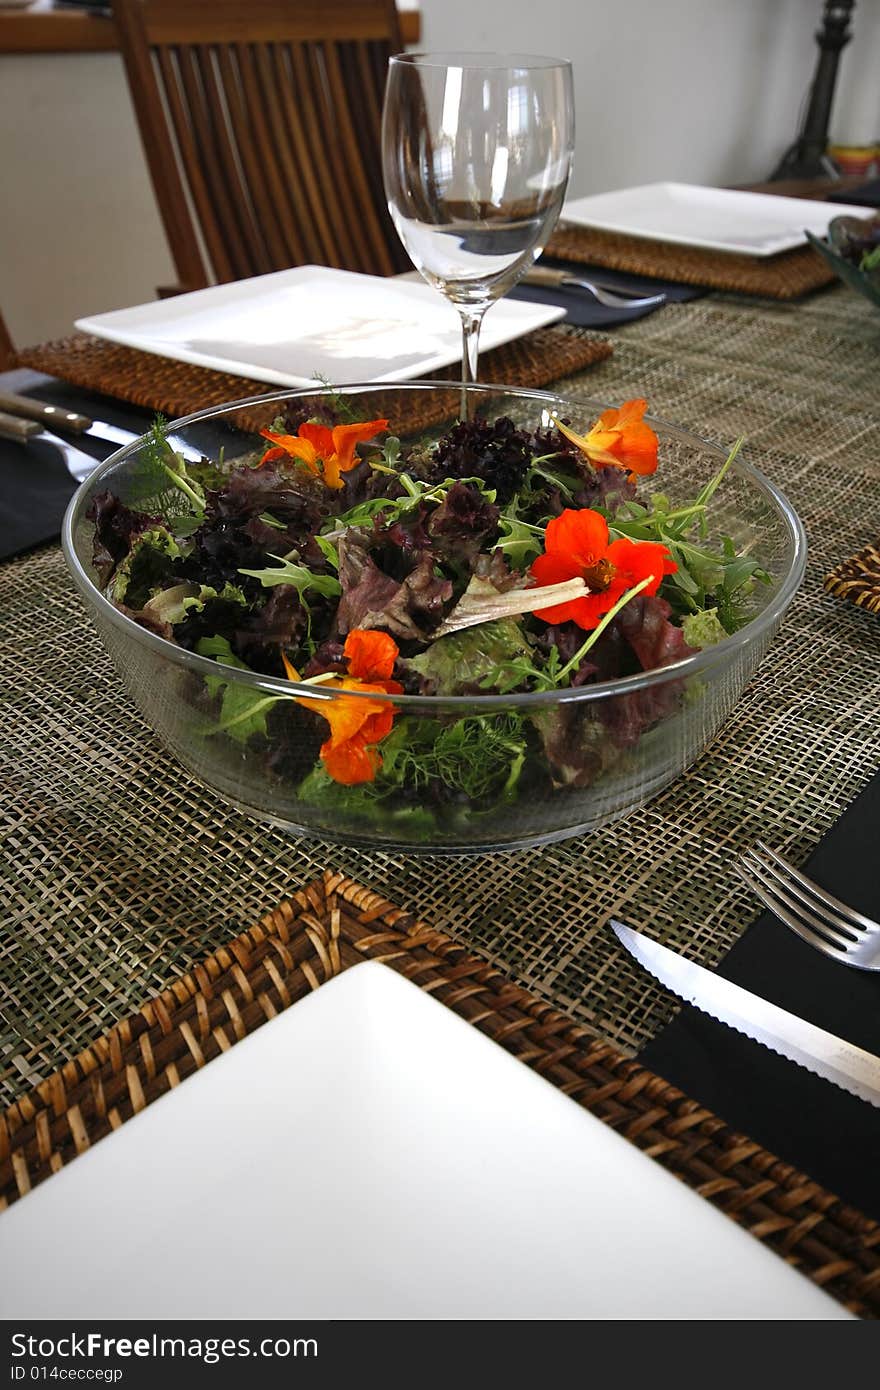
[576,546]
[619,439]
[350,754]
[326,452]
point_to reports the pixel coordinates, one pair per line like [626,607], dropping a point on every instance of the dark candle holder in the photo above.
[807,158]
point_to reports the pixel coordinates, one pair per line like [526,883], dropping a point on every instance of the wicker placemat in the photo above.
[332,924]
[786,276]
[178,388]
[858,579]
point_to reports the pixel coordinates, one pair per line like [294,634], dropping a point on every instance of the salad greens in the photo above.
[496,561]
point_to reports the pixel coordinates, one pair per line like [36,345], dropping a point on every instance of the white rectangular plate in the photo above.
[718,219]
[415,1170]
[296,327]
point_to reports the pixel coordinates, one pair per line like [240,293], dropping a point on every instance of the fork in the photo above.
[812,914]
[617,299]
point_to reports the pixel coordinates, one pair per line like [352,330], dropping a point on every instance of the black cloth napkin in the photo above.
[866,195]
[583,311]
[36,490]
[807,1121]
[36,486]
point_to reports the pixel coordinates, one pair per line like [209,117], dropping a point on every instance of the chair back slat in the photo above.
[289,213]
[191,169]
[327,171]
[226,208]
[318,228]
[265,173]
[354,201]
[261,247]
[261,123]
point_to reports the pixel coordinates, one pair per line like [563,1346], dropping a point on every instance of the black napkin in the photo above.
[36,490]
[35,486]
[812,1124]
[866,195]
[583,311]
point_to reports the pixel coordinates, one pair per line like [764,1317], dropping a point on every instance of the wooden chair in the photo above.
[7,351]
[261,125]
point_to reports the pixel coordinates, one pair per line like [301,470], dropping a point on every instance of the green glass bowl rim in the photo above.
[623,685]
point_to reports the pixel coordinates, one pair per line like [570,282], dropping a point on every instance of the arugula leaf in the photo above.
[520,540]
[415,492]
[329,551]
[705,577]
[301,578]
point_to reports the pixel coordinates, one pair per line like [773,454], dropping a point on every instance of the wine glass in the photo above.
[476,154]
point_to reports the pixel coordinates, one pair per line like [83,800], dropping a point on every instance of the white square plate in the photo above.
[719,219]
[416,1171]
[311,323]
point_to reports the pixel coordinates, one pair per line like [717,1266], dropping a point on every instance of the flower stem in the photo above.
[600,628]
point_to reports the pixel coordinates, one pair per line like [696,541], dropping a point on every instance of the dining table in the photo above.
[149,927]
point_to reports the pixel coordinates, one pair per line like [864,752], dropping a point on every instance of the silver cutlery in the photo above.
[617,298]
[57,417]
[817,917]
[23,419]
[79,463]
[833,1058]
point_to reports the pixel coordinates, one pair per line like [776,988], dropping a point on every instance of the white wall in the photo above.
[707,91]
[79,229]
[704,91]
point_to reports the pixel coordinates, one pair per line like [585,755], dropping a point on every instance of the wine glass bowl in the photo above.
[476,153]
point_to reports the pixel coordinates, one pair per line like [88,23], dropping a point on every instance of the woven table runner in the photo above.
[786,276]
[333,923]
[178,388]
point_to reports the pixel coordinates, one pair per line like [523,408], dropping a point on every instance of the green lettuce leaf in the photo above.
[242,710]
[462,659]
[146,568]
[703,629]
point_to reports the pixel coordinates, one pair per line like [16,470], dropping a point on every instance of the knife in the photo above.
[23,420]
[822,1053]
[79,463]
[56,417]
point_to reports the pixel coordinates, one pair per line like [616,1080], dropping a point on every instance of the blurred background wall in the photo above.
[702,91]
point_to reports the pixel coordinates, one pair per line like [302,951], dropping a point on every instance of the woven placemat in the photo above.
[332,924]
[786,276]
[858,579]
[178,388]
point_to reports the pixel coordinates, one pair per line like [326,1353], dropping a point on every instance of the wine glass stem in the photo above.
[470,354]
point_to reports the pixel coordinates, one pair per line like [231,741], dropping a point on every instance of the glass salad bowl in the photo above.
[342,628]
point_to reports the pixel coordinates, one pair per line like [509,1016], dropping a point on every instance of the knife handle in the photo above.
[545,275]
[18,430]
[49,416]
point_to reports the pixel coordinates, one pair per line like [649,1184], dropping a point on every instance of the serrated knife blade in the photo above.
[822,1053]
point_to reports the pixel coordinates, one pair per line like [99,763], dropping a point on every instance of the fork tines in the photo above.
[813,914]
